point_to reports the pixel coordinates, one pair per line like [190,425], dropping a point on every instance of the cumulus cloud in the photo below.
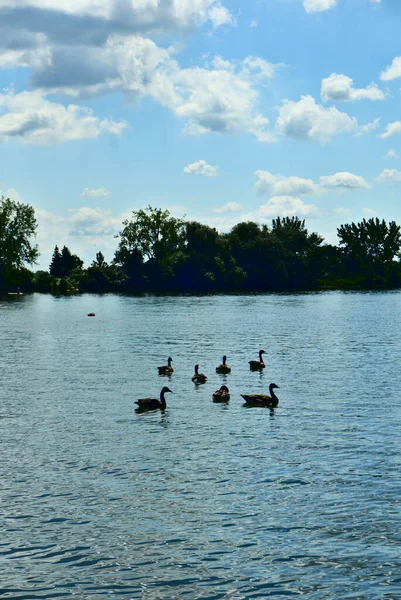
[29,118]
[228,208]
[391,129]
[341,210]
[102,191]
[340,88]
[284,206]
[307,120]
[391,154]
[344,180]
[219,16]
[84,230]
[92,221]
[389,175]
[201,167]
[98,15]
[278,185]
[393,71]
[85,48]
[318,5]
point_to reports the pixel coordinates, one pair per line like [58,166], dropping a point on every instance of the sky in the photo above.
[220,110]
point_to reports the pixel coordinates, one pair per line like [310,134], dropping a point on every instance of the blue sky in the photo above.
[222,110]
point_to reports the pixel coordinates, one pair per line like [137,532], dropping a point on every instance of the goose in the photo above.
[221,395]
[256,365]
[198,377]
[262,399]
[153,403]
[223,368]
[167,369]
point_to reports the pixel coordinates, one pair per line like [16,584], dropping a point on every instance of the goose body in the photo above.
[167,369]
[224,367]
[153,403]
[262,399]
[256,365]
[198,377]
[221,395]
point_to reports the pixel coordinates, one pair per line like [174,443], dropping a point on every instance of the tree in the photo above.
[55,268]
[369,249]
[17,226]
[64,262]
[151,239]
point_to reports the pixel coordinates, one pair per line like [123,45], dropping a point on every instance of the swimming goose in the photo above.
[223,368]
[262,399]
[153,403]
[167,369]
[221,395]
[198,377]
[255,365]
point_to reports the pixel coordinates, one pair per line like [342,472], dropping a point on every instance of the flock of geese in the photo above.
[220,395]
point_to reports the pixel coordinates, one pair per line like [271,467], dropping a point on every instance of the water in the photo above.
[204,500]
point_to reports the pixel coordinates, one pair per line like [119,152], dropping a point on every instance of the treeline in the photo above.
[157,252]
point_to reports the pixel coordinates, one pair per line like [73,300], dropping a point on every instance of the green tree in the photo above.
[151,239]
[369,249]
[55,268]
[17,227]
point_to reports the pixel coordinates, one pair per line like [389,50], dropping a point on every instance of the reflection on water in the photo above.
[203,499]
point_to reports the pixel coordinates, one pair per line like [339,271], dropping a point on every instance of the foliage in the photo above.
[64,262]
[17,227]
[149,245]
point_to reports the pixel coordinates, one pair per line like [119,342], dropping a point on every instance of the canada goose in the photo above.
[167,369]
[221,395]
[262,399]
[198,377]
[223,368]
[153,403]
[255,365]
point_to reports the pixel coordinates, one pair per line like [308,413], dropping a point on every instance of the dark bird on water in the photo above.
[153,403]
[256,365]
[224,367]
[198,377]
[167,369]
[262,399]
[221,395]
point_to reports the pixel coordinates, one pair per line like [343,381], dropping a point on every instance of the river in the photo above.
[202,500]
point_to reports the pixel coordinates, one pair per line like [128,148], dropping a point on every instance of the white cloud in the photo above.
[344,180]
[29,118]
[284,206]
[369,211]
[92,221]
[391,154]
[253,24]
[391,129]
[342,211]
[278,185]
[389,175]
[84,230]
[135,14]
[201,167]
[102,191]
[219,16]
[306,120]
[228,208]
[340,88]
[393,71]
[318,5]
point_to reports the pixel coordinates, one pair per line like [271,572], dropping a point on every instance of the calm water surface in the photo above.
[204,500]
